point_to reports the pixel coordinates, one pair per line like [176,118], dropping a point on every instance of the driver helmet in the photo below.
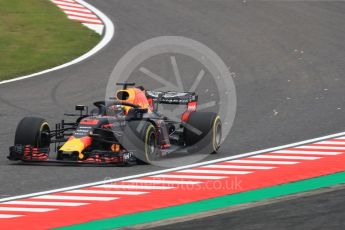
[134,96]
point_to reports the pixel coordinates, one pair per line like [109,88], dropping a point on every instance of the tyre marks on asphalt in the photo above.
[177,187]
[77,12]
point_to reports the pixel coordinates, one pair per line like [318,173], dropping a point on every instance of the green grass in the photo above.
[36,35]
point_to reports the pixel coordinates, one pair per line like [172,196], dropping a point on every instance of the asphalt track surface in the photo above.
[320,211]
[288,58]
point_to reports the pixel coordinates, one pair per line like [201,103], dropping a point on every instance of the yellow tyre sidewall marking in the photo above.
[148,130]
[41,129]
[214,126]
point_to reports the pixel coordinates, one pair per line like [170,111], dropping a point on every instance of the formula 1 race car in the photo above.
[125,129]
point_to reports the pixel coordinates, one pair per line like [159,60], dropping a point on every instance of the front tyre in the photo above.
[203,133]
[33,131]
[141,138]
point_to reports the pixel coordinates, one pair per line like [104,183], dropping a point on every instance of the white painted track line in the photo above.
[46,203]
[77,12]
[60,197]
[264,162]
[90,191]
[238,167]
[7,216]
[320,147]
[83,19]
[20,209]
[229,159]
[96,27]
[62,3]
[305,152]
[134,186]
[76,8]
[330,143]
[72,8]
[91,15]
[162,182]
[284,157]
[214,172]
[189,177]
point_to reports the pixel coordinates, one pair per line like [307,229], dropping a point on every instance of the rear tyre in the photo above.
[33,131]
[203,133]
[140,137]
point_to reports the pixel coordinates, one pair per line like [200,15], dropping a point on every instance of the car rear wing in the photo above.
[171,97]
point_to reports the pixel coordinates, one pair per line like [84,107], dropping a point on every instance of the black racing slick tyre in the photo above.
[203,133]
[140,137]
[33,131]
